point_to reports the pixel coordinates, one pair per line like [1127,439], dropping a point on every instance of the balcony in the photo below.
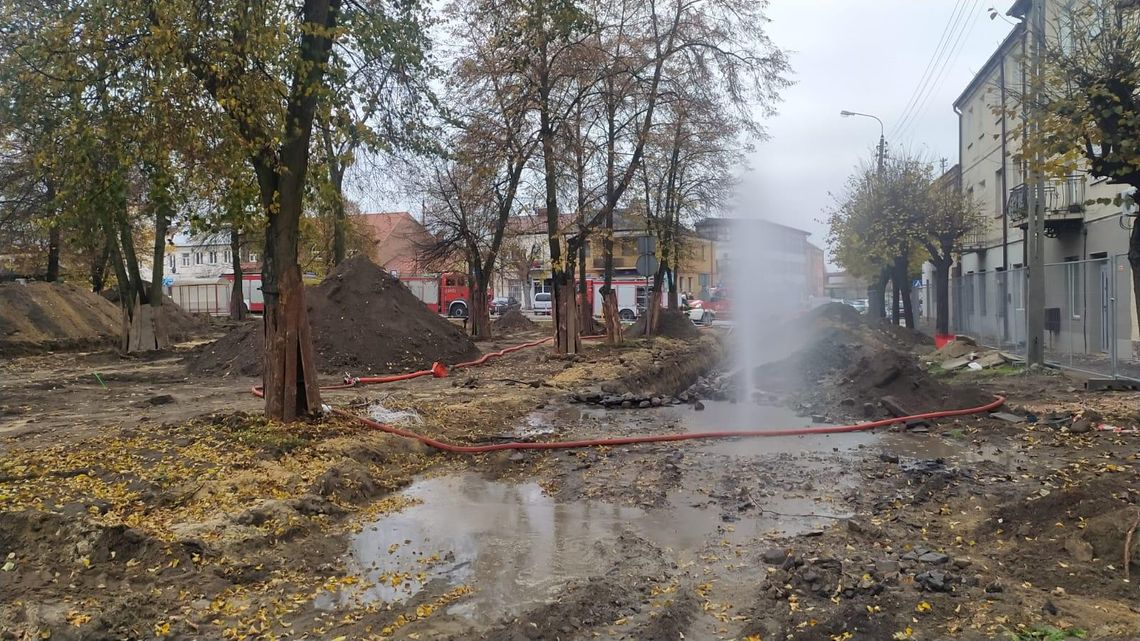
[1063,204]
[974,241]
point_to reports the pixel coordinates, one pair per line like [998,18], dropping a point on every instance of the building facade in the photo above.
[1085,240]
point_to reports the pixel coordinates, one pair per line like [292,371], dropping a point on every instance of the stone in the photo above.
[698,406]
[847,402]
[887,567]
[957,363]
[1081,426]
[934,580]
[994,587]
[992,359]
[935,558]
[1007,417]
[656,401]
[644,404]
[1079,549]
[887,457]
[626,404]
[818,418]
[894,406]
[774,556]
[868,410]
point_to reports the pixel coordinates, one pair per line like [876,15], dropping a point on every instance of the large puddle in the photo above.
[517,547]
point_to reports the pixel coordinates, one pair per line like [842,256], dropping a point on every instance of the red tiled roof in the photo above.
[396,239]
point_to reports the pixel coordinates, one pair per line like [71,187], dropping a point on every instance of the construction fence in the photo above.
[1090,318]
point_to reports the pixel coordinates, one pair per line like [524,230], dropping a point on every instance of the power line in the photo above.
[947,35]
[956,50]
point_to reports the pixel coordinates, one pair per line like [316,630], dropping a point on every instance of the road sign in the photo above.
[646,245]
[646,265]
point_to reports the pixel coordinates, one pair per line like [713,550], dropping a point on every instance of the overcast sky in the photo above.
[868,56]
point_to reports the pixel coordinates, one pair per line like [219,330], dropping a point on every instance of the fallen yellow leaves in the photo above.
[923,606]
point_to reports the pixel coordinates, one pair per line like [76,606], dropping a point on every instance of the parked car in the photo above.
[501,305]
[859,304]
[543,304]
[697,312]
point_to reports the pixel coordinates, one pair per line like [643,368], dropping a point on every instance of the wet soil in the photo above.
[205,521]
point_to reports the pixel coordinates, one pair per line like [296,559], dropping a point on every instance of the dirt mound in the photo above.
[364,321]
[511,322]
[844,362]
[39,317]
[672,324]
[180,324]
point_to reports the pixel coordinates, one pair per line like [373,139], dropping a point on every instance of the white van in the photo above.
[543,304]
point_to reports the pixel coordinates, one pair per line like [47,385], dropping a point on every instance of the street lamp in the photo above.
[882,133]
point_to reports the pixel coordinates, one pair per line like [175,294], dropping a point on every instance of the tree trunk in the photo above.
[653,305]
[614,334]
[162,215]
[480,310]
[609,296]
[289,374]
[896,308]
[237,292]
[566,337]
[340,222]
[585,309]
[52,274]
[876,294]
[98,271]
[942,296]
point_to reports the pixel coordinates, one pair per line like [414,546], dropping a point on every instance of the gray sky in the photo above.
[868,56]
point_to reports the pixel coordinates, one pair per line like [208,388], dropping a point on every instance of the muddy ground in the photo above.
[153,502]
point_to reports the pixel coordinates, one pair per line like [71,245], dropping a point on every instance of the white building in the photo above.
[1085,242]
[204,257]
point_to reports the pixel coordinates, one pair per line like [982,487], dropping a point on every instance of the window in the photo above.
[213,258]
[185,260]
[171,261]
[252,257]
[449,282]
[702,251]
[228,256]
[197,258]
[1067,27]
[1075,275]
[628,248]
[998,195]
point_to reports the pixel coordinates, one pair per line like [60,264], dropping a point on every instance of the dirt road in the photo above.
[127,514]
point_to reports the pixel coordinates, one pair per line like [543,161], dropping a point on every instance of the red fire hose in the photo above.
[439,371]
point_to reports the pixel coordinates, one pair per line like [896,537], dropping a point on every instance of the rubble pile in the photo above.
[672,324]
[963,352]
[848,366]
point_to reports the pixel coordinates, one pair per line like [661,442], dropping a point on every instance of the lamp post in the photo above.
[882,136]
[874,294]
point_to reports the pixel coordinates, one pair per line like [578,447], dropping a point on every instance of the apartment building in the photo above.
[1084,241]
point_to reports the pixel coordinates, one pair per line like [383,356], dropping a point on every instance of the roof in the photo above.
[397,238]
[991,62]
[719,221]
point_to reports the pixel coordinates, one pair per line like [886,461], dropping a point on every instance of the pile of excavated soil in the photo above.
[672,324]
[39,317]
[512,322]
[844,362]
[180,324]
[364,321]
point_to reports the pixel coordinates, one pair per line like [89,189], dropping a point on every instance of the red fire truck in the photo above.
[446,293]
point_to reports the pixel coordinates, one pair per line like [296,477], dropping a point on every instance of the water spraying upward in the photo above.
[766,276]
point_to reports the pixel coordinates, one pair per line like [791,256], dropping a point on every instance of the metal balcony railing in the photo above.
[1064,197]
[975,240]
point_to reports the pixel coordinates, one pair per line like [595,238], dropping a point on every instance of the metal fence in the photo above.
[1090,322]
[203,298]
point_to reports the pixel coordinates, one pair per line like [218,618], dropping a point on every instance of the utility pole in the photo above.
[1035,227]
